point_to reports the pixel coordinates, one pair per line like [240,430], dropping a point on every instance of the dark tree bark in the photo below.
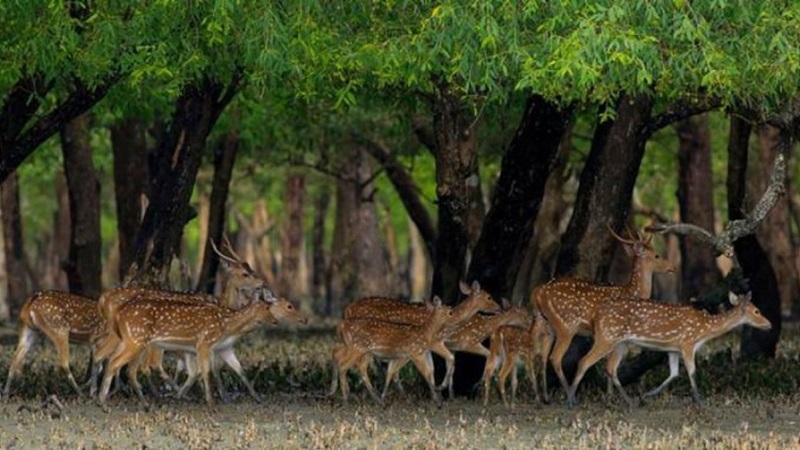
[456,178]
[83,267]
[518,196]
[319,266]
[696,200]
[13,244]
[754,261]
[224,159]
[175,165]
[57,252]
[775,233]
[605,191]
[131,177]
[292,236]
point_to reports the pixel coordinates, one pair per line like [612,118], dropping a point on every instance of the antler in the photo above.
[621,239]
[735,229]
[221,255]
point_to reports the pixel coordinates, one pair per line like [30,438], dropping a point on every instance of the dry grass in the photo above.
[749,406]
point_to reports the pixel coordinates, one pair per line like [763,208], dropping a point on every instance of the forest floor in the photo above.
[747,406]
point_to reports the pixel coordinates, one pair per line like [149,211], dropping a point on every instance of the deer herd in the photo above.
[133,327]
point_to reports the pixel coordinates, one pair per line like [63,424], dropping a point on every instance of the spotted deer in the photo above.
[239,276]
[511,344]
[395,311]
[200,329]
[63,318]
[680,330]
[570,304]
[363,339]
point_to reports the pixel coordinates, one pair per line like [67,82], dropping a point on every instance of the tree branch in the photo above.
[680,110]
[736,229]
[424,134]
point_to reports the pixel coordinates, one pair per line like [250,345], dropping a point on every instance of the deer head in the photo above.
[242,281]
[750,313]
[642,249]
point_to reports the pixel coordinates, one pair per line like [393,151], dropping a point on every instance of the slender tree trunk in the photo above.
[318,249]
[696,200]
[177,160]
[775,233]
[754,261]
[292,237]
[456,180]
[13,244]
[418,266]
[84,268]
[224,159]
[605,191]
[130,183]
[58,252]
[5,311]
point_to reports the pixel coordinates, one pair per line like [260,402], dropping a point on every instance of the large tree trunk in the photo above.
[775,233]
[224,159]
[456,181]
[696,199]
[517,198]
[83,267]
[13,244]
[130,183]
[177,160]
[754,261]
[605,191]
[292,238]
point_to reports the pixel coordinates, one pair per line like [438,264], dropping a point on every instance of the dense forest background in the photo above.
[394,148]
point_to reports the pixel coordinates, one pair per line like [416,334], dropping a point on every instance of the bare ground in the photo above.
[289,369]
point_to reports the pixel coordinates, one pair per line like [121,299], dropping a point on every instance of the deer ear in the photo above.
[437,301]
[747,297]
[733,298]
[476,286]
[505,304]
[268,296]
[465,289]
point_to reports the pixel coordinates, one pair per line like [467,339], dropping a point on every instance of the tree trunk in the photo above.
[515,204]
[57,254]
[131,177]
[5,311]
[605,191]
[13,244]
[696,199]
[539,263]
[518,196]
[456,179]
[224,159]
[775,233]
[177,160]
[318,265]
[358,260]
[419,276]
[754,261]
[83,267]
[291,284]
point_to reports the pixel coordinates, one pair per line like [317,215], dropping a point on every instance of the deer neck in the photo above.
[722,323]
[463,311]
[641,281]
[244,320]
[229,294]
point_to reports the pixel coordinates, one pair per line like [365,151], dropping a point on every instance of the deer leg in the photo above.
[233,362]
[27,337]
[192,373]
[133,375]
[123,355]
[204,364]
[335,356]
[363,366]
[530,371]
[674,368]
[508,368]
[557,356]
[423,364]
[61,342]
[611,370]
[599,350]
[688,361]
[544,350]
[450,363]
[392,373]
[495,357]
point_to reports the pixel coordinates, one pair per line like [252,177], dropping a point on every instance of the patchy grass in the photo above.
[749,405]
